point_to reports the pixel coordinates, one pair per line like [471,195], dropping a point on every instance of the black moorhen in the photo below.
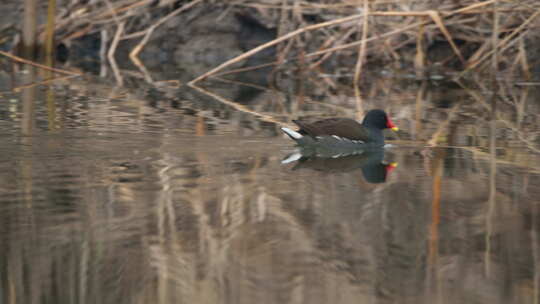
[343,133]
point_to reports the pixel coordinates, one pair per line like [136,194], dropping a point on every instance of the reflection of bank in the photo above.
[369,161]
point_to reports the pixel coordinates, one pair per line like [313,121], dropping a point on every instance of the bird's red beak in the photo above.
[391,125]
[390,167]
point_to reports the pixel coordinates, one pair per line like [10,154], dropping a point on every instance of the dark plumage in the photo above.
[343,130]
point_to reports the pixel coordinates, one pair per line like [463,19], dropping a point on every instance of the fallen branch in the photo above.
[43,82]
[239,107]
[41,66]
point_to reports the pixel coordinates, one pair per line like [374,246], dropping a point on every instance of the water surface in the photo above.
[149,195]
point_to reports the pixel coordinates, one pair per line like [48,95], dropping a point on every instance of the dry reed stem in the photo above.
[467,9]
[420,58]
[477,153]
[432,14]
[437,19]
[360,61]
[41,66]
[472,7]
[476,96]
[49,32]
[133,55]
[341,20]
[89,19]
[103,47]
[246,69]
[495,41]
[531,145]
[522,59]
[504,44]
[242,83]
[144,71]
[112,49]
[112,11]
[43,82]
[148,32]
[442,126]
[356,43]
[79,33]
[328,43]
[130,6]
[527,83]
[119,11]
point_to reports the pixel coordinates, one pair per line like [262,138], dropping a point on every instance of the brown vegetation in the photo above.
[425,41]
[456,35]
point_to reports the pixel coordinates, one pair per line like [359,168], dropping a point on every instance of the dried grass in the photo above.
[394,28]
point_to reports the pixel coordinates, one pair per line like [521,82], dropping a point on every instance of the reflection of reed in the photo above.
[199,226]
[492,185]
[536,252]
[193,217]
[28,100]
[29,28]
[434,273]
[514,123]
[244,238]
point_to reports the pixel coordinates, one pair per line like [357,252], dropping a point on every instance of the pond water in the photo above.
[147,194]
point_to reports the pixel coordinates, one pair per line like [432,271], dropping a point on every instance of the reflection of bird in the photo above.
[343,133]
[369,161]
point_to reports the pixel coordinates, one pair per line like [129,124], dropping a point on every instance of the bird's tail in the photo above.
[292,134]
